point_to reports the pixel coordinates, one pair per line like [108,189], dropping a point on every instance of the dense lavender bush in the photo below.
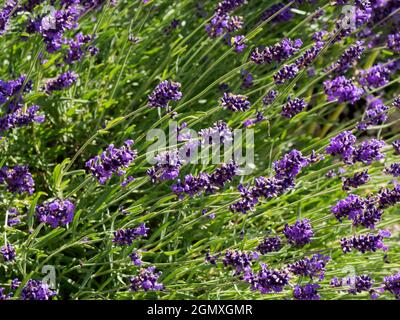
[187,149]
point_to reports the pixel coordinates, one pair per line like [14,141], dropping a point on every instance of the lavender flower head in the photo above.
[5,14]
[375,114]
[343,145]
[342,89]
[235,102]
[267,280]
[218,25]
[359,284]
[193,185]
[306,292]
[348,58]
[226,6]
[349,208]
[396,102]
[63,81]
[369,151]
[18,179]
[125,237]
[112,160]
[167,167]
[310,267]
[278,52]
[37,290]
[389,197]
[53,26]
[21,118]
[147,279]
[136,258]
[290,165]
[293,107]
[374,77]
[283,16]
[396,147]
[77,48]
[362,211]
[299,234]
[270,97]
[365,243]
[165,92]
[287,72]
[392,284]
[238,43]
[269,244]
[393,42]
[394,170]
[8,252]
[357,180]
[56,213]
[220,132]
[241,261]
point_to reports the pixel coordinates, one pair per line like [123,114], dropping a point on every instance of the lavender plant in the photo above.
[89,189]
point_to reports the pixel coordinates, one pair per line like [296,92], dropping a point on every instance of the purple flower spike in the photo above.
[267,280]
[167,167]
[56,213]
[276,53]
[241,261]
[393,42]
[235,102]
[20,118]
[290,165]
[342,89]
[365,243]
[238,43]
[77,48]
[389,197]
[357,180]
[348,58]
[283,16]
[343,145]
[310,267]
[288,72]
[136,258]
[306,292]
[18,179]
[360,284]
[374,77]
[226,6]
[375,114]
[8,252]
[299,234]
[63,81]
[361,211]
[396,147]
[394,170]
[270,244]
[293,107]
[165,92]
[270,97]
[369,151]
[37,290]
[147,279]
[112,160]
[349,208]
[125,237]
[392,284]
